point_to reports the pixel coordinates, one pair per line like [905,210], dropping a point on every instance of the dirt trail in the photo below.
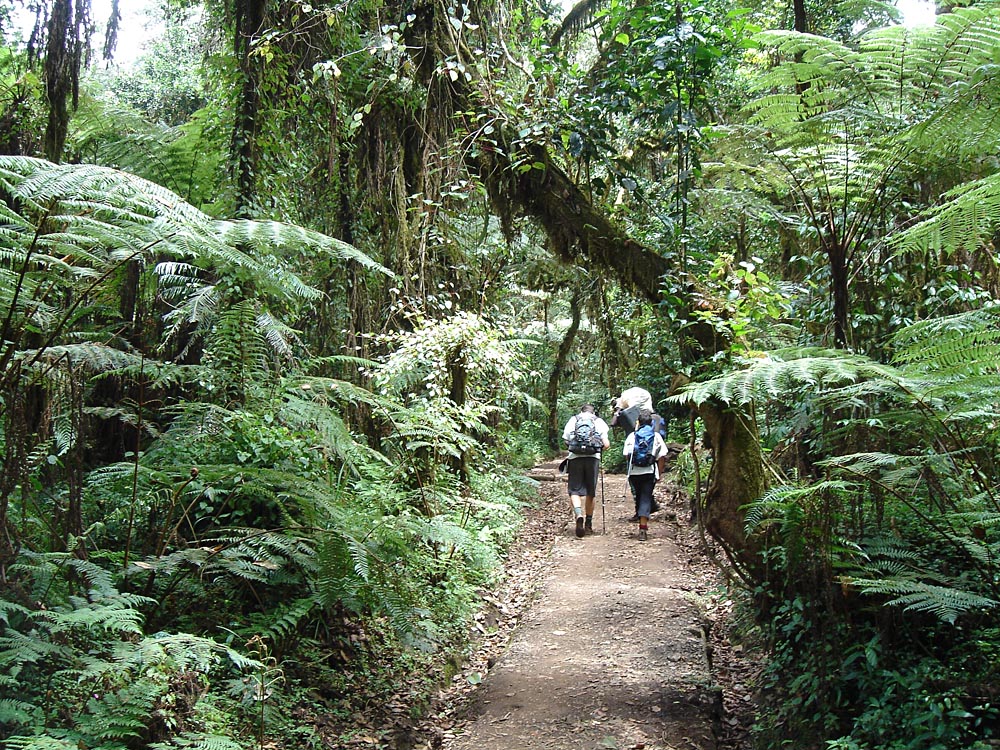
[611,652]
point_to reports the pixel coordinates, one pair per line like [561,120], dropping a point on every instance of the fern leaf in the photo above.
[946,603]
[21,742]
[14,711]
[199,741]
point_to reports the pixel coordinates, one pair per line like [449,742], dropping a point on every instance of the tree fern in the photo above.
[123,714]
[782,372]
[20,742]
[967,220]
[285,619]
[114,684]
[199,741]
[773,506]
[18,712]
[945,602]
[111,210]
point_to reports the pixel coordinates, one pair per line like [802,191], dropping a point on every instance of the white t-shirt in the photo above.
[659,449]
[599,424]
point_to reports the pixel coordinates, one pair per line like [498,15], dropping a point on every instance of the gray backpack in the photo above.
[585,440]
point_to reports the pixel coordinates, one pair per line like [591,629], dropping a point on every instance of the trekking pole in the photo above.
[628,470]
[604,521]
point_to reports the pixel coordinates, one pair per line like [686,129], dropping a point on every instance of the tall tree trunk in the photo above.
[801,20]
[838,289]
[614,358]
[250,16]
[459,372]
[737,478]
[12,463]
[562,355]
[73,528]
[58,77]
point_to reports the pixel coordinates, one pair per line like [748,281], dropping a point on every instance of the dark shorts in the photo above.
[642,488]
[583,475]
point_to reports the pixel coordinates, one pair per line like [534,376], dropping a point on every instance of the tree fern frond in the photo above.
[18,649]
[945,603]
[9,608]
[91,357]
[962,125]
[199,741]
[969,341]
[771,507]
[360,555]
[865,464]
[115,210]
[99,579]
[305,407]
[118,614]
[124,714]
[889,548]
[280,337]
[273,235]
[286,618]
[782,372]
[18,712]
[179,652]
[968,220]
[21,742]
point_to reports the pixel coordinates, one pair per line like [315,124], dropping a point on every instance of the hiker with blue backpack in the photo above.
[586,435]
[627,408]
[644,448]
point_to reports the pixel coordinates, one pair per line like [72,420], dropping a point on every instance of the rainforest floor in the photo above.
[599,642]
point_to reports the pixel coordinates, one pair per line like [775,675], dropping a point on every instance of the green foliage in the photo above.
[907,524]
[181,158]
[169,406]
[423,362]
[86,646]
[863,689]
[164,84]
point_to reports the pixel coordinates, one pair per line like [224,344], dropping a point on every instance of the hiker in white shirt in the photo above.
[586,435]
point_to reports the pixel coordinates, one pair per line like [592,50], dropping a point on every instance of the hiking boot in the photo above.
[588,528]
[634,519]
[642,535]
[579,526]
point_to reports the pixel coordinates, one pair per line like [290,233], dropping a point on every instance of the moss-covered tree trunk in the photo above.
[59,77]
[250,16]
[562,355]
[459,372]
[737,477]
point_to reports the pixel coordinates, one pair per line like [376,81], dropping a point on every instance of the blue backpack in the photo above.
[642,446]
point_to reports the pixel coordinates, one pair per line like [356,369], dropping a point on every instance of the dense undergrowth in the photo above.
[233,636]
[874,606]
[243,550]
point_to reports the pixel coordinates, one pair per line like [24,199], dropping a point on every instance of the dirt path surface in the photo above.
[607,649]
